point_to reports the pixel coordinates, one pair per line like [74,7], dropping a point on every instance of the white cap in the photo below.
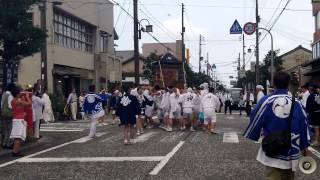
[204,85]
[259,87]
[189,90]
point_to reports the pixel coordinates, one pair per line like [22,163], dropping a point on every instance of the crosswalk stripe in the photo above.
[230,137]
[144,137]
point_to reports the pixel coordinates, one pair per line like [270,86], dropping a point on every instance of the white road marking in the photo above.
[231,137]
[144,137]
[38,153]
[230,117]
[112,138]
[86,139]
[165,160]
[61,130]
[315,152]
[92,159]
[171,137]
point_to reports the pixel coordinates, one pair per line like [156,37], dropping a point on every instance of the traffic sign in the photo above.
[236,28]
[249,28]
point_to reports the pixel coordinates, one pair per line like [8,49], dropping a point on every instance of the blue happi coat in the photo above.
[93,104]
[270,115]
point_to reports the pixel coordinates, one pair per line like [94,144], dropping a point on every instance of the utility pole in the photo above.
[200,57]
[243,53]
[136,42]
[257,42]
[208,64]
[183,58]
[239,67]
[44,61]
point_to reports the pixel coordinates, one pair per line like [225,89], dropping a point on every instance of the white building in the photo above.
[80,47]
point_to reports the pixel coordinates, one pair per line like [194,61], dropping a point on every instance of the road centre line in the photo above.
[92,159]
[38,153]
[165,160]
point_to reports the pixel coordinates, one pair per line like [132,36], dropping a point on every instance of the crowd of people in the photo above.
[142,107]
[22,112]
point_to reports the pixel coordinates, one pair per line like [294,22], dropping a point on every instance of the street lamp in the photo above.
[148,28]
[272,57]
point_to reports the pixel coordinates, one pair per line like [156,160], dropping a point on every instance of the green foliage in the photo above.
[148,71]
[264,69]
[18,37]
[194,79]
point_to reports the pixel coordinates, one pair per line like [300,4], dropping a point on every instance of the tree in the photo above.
[148,71]
[194,79]
[265,68]
[18,37]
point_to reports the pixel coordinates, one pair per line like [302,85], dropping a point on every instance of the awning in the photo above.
[68,71]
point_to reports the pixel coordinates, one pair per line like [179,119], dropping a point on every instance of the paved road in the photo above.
[66,153]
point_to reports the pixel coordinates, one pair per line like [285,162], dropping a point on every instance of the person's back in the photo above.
[271,114]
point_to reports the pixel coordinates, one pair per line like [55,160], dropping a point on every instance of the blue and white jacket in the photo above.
[92,105]
[271,114]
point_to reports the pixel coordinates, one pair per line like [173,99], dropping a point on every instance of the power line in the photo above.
[277,18]
[274,13]
[140,24]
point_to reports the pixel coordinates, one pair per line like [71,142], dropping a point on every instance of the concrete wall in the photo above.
[98,13]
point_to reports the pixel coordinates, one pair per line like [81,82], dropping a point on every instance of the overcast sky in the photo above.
[213,19]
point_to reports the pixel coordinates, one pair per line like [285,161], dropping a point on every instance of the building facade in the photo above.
[314,65]
[161,49]
[128,66]
[80,47]
[293,61]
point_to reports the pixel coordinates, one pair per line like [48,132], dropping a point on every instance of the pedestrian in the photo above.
[228,103]
[249,102]
[127,110]
[19,125]
[157,97]
[165,107]
[81,101]
[221,99]
[37,107]
[149,108]
[196,107]
[138,93]
[175,109]
[6,116]
[187,100]
[209,104]
[277,119]
[313,109]
[304,95]
[259,91]
[73,102]
[113,104]
[93,109]
[47,111]
[29,114]
[105,96]
[242,103]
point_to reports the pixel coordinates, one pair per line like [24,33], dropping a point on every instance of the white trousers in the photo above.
[93,127]
[36,128]
[74,110]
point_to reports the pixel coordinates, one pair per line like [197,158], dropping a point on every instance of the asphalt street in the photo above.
[65,152]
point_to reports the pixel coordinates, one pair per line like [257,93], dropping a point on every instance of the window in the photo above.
[316,50]
[104,43]
[318,21]
[72,33]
